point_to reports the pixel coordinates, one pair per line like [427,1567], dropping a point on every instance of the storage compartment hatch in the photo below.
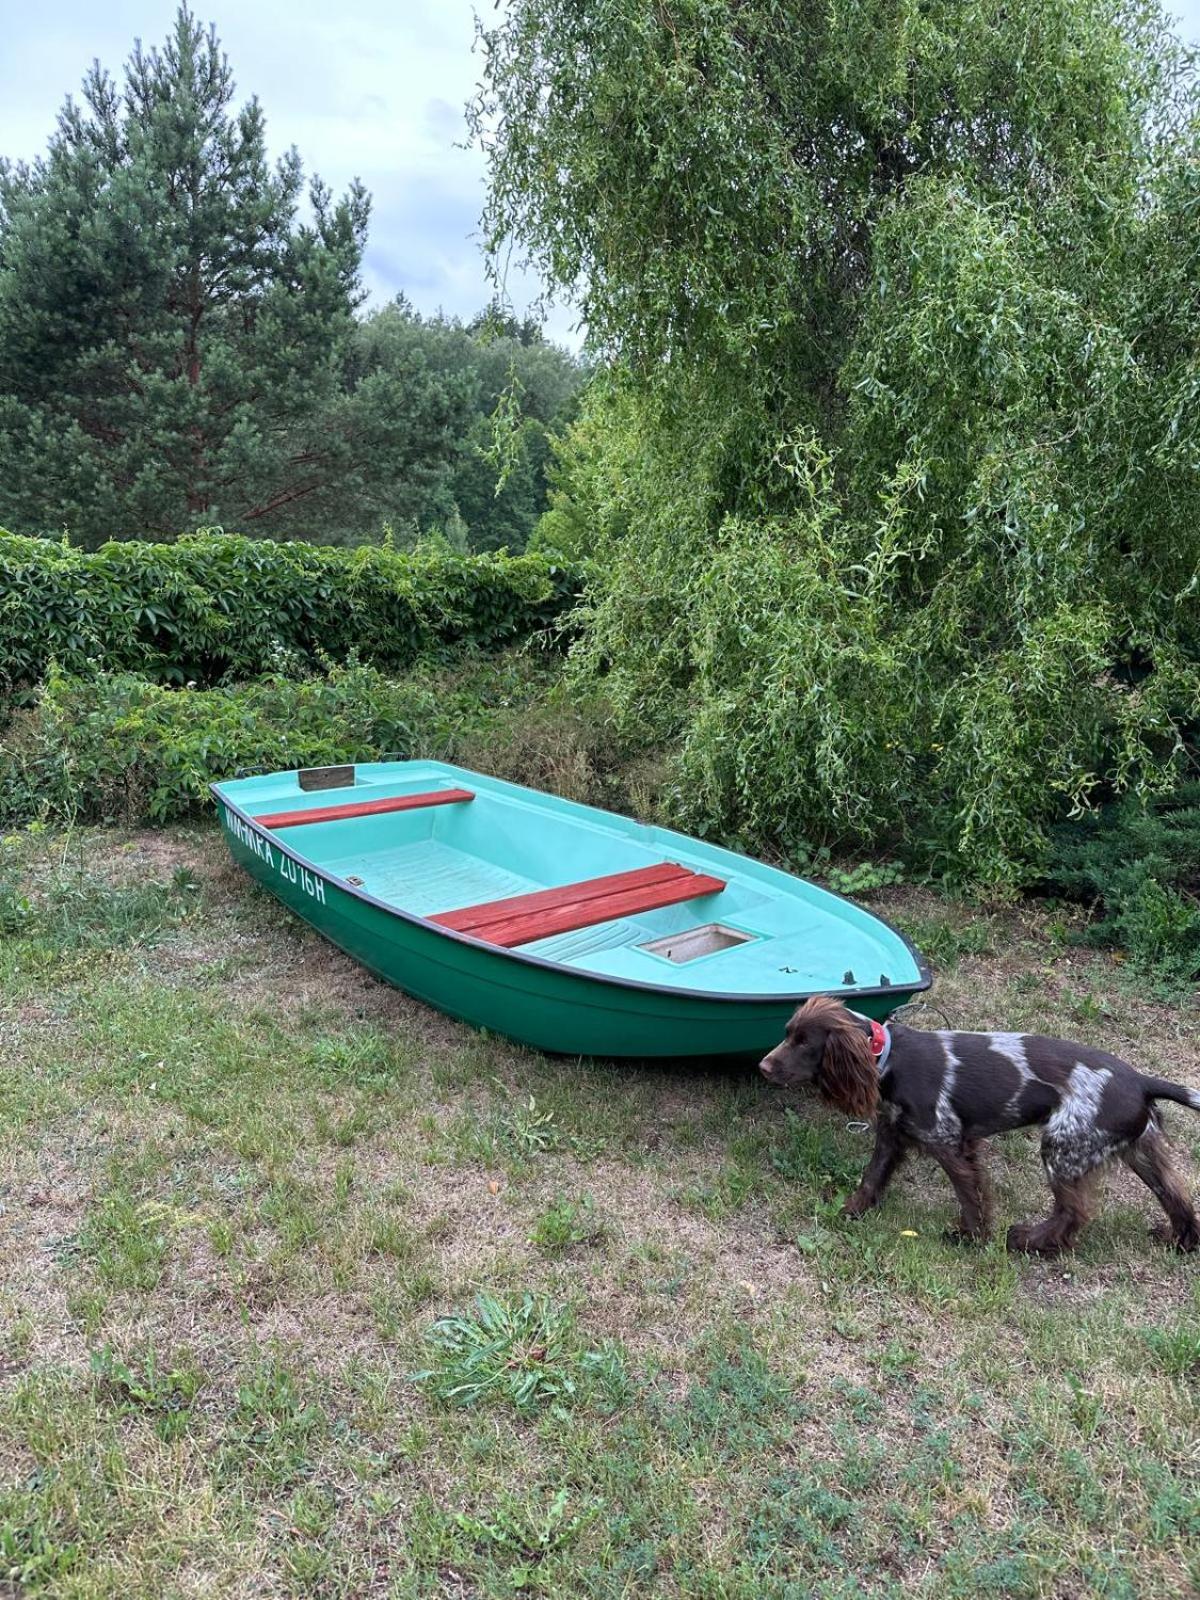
[694,942]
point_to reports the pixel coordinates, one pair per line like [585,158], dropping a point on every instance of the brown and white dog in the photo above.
[943,1093]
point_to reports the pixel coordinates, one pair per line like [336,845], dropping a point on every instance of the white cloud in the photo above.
[374,89]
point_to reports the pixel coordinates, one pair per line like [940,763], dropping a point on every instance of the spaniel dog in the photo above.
[943,1093]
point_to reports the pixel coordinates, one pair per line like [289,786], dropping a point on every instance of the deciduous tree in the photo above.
[893,483]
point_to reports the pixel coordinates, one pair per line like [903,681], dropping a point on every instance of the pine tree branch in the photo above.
[288,497]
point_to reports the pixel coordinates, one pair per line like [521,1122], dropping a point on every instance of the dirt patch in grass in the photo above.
[43,1196]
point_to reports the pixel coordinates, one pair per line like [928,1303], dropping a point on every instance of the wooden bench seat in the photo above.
[522,918]
[364,808]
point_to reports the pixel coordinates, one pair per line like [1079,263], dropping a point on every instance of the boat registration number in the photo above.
[291,870]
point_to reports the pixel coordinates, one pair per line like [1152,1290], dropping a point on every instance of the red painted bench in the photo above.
[364,808]
[522,918]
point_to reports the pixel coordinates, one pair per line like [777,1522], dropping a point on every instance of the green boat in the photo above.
[564,927]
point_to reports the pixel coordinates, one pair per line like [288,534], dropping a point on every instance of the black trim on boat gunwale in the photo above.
[674,990]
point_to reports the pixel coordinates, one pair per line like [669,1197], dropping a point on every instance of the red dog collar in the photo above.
[881,1039]
[881,1043]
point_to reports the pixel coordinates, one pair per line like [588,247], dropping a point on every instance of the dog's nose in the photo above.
[766,1066]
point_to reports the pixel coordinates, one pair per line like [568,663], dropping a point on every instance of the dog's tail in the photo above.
[1164,1089]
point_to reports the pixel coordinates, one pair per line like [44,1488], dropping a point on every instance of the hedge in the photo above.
[114,747]
[213,607]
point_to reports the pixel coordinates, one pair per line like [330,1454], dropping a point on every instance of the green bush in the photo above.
[212,607]
[1140,867]
[115,747]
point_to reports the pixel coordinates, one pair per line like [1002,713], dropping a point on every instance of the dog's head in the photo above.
[825,1045]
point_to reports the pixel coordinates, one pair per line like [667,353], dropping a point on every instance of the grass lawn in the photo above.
[305,1290]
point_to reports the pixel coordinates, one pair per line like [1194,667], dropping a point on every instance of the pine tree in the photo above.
[174,338]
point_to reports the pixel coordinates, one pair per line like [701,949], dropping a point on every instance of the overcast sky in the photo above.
[367,88]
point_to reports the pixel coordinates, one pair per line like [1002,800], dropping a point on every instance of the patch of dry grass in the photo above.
[241,1180]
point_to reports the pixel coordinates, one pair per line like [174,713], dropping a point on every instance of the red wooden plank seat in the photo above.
[364,808]
[522,918]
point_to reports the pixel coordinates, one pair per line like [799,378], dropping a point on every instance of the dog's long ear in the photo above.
[847,1077]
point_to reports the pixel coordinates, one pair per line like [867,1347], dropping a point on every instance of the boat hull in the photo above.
[550,1007]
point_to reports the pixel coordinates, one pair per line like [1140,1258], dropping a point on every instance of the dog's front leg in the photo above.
[962,1166]
[890,1146]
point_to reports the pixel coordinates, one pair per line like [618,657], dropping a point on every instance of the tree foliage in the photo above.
[180,344]
[891,486]
[170,332]
[1138,867]
[481,367]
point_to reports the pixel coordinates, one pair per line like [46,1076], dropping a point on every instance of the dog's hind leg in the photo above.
[890,1148]
[1071,1167]
[1073,1208]
[1151,1160]
[962,1166]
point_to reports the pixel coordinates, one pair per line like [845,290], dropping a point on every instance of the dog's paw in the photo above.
[1164,1233]
[1026,1241]
[856,1205]
[957,1235]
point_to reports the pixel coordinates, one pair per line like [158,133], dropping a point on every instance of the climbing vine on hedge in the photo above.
[213,608]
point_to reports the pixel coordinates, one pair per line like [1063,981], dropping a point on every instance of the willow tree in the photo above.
[891,484]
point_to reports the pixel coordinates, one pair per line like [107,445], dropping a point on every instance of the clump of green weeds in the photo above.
[141,1384]
[1177,1349]
[31,1554]
[276,1432]
[518,1530]
[521,1352]
[516,1135]
[566,1224]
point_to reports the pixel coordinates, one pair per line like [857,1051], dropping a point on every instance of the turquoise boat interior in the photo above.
[566,884]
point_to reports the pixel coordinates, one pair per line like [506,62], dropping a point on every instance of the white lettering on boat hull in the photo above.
[291,870]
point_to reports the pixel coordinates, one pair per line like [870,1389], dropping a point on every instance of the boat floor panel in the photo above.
[426,876]
[584,942]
